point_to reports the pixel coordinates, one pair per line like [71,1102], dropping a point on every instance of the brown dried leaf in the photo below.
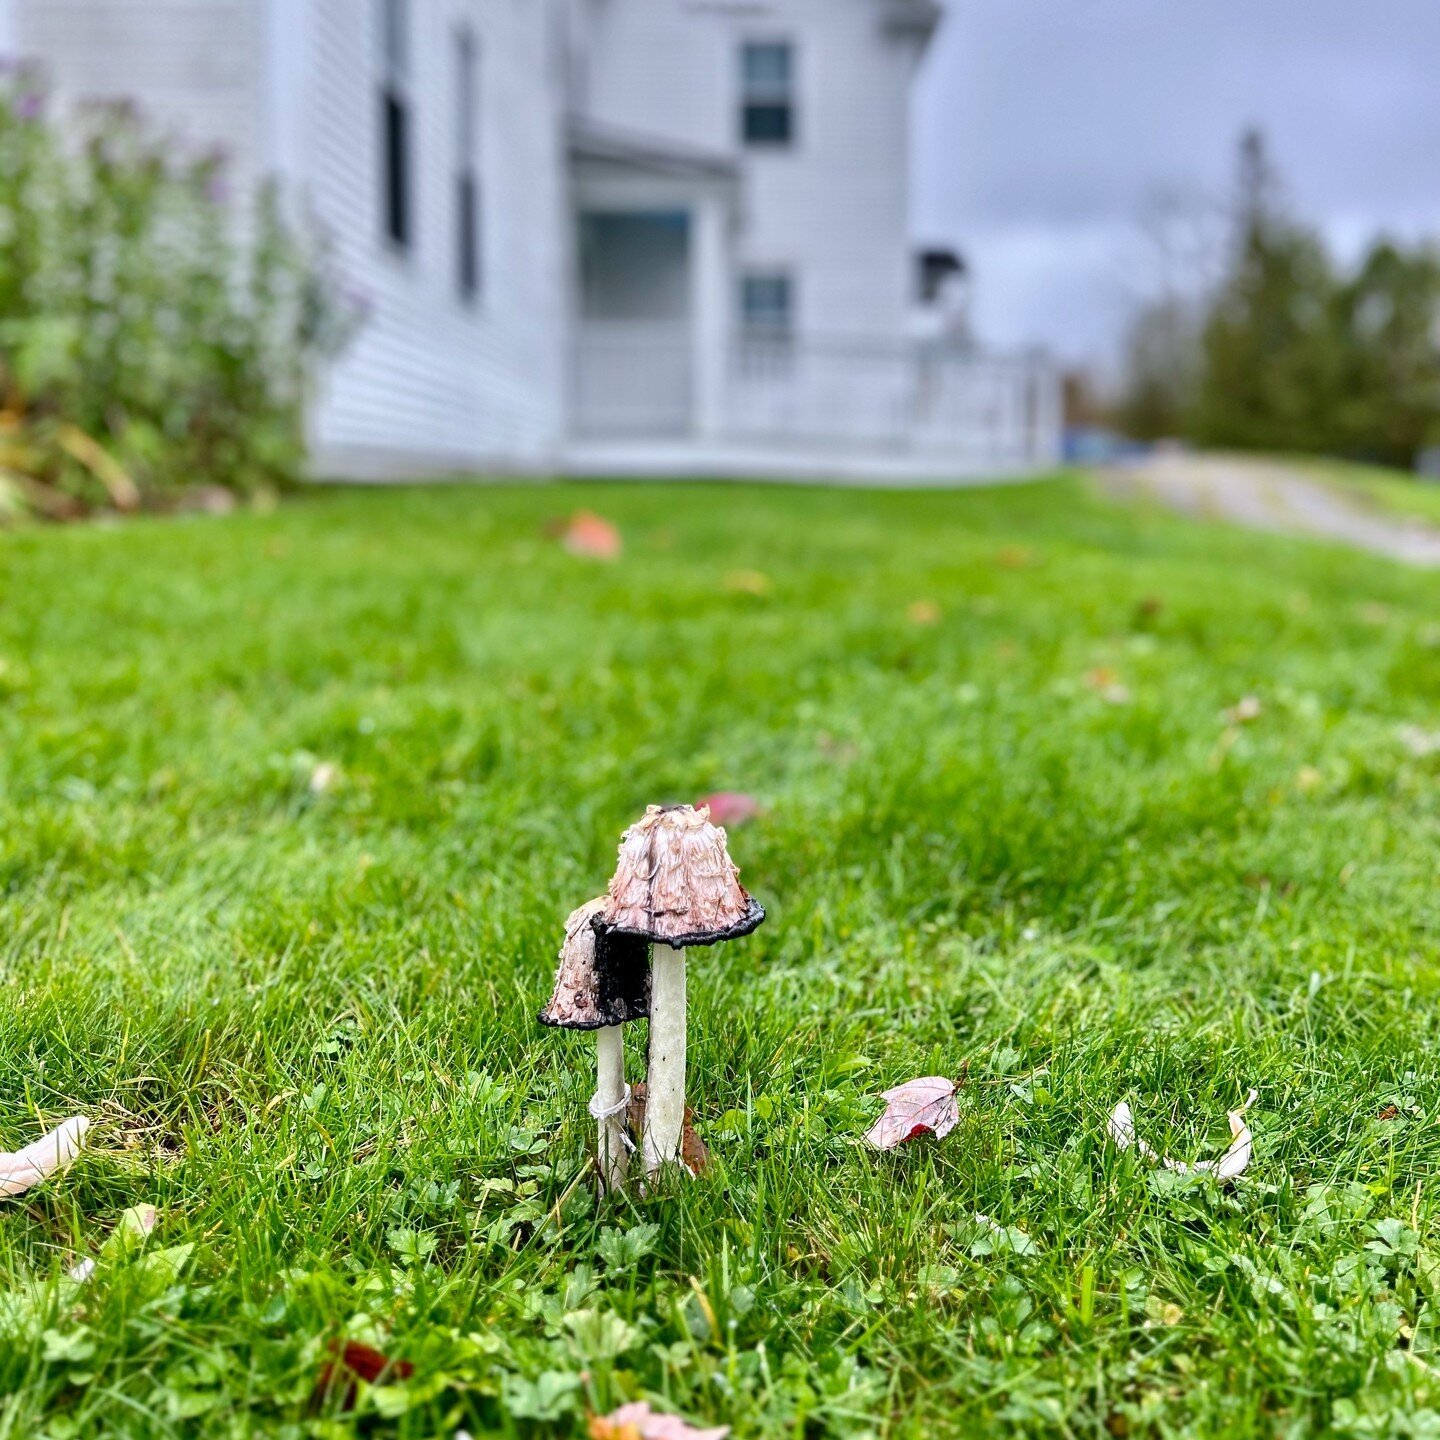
[356,1361]
[637,1421]
[918,1107]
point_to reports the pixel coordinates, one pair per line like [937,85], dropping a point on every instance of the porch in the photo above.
[813,409]
[666,381]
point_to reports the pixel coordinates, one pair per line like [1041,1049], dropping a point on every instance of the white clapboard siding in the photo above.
[192,67]
[431,382]
[833,208]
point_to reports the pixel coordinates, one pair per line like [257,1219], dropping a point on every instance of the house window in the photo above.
[467,165]
[767,93]
[767,305]
[396,180]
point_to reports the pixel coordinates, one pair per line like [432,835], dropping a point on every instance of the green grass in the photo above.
[306,1022]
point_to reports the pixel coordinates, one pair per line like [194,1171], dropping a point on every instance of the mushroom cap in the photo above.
[676,883]
[603,979]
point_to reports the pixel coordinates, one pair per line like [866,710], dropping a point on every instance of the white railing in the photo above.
[633,379]
[926,401]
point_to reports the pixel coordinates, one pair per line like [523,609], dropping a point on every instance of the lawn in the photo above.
[294,808]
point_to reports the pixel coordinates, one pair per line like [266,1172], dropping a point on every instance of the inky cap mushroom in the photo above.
[676,883]
[603,979]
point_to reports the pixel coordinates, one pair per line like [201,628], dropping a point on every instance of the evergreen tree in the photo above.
[1272,360]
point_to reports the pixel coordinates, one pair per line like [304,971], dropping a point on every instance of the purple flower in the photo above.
[359,302]
[29,105]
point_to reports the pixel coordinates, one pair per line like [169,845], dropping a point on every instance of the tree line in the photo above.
[1284,349]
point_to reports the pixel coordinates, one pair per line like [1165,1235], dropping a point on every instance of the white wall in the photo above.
[193,68]
[834,206]
[430,383]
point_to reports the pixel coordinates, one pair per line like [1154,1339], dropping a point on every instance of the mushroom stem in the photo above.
[609,1106]
[665,1084]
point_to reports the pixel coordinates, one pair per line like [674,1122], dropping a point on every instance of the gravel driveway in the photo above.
[1269,495]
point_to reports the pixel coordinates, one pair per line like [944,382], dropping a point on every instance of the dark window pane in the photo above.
[467,208]
[767,124]
[765,66]
[767,303]
[395,156]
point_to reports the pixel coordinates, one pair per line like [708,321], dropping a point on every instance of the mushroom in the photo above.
[675,887]
[603,981]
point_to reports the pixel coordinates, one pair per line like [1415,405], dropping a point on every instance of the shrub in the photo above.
[152,336]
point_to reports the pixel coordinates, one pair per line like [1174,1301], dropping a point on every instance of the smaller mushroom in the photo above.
[603,981]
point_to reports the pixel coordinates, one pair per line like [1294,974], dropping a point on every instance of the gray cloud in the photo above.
[1044,125]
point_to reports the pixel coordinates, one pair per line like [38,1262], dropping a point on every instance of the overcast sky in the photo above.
[1043,126]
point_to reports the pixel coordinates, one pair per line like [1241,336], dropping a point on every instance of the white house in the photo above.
[594,236]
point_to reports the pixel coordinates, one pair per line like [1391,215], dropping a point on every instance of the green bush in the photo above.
[153,337]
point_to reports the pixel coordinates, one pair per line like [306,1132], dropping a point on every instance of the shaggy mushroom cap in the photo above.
[603,979]
[676,883]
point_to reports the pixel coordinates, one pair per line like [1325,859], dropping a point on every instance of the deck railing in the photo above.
[915,399]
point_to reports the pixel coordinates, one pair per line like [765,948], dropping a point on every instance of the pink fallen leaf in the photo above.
[637,1421]
[42,1158]
[918,1107]
[588,535]
[729,807]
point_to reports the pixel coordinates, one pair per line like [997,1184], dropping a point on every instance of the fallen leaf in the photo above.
[1104,680]
[124,493]
[923,612]
[357,1361]
[1419,741]
[749,582]
[915,1108]
[1390,1112]
[588,535]
[729,807]
[324,777]
[42,1158]
[1246,709]
[637,1421]
[1121,1129]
